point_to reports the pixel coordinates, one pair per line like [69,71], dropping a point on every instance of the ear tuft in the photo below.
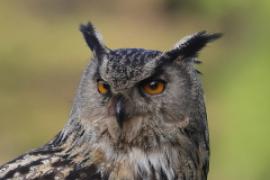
[93,39]
[189,46]
[194,43]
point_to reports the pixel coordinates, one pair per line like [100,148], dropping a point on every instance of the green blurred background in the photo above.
[42,56]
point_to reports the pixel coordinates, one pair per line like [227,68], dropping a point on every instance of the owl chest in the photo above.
[141,165]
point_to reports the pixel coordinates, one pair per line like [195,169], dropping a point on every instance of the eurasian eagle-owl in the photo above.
[138,114]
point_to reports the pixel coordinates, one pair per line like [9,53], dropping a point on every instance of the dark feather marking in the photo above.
[85,160]
[153,173]
[205,169]
[81,133]
[163,176]
[198,72]
[197,62]
[90,172]
[184,177]
[45,150]
[61,163]
[22,169]
[59,139]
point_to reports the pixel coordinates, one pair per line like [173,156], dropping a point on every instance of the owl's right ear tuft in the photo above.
[190,45]
[93,39]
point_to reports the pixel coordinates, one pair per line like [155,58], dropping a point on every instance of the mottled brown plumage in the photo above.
[138,114]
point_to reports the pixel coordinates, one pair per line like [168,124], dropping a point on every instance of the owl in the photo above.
[138,114]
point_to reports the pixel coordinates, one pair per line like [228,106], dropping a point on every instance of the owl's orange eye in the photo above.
[154,87]
[103,87]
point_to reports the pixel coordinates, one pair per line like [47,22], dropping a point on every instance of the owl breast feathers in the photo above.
[138,114]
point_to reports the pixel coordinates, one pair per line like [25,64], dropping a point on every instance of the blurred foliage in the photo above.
[42,56]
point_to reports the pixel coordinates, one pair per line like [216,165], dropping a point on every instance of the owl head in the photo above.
[132,95]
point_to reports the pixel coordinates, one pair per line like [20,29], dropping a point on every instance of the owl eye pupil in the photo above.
[153,84]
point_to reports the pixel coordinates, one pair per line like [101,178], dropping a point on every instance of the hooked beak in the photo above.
[120,110]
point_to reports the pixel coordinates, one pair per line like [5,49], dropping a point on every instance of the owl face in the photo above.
[124,84]
[130,92]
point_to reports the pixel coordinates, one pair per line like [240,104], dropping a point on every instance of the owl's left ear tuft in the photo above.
[189,46]
[93,39]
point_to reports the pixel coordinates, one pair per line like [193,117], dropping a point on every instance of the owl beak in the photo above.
[120,110]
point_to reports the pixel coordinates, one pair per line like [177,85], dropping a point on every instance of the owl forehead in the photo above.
[125,67]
